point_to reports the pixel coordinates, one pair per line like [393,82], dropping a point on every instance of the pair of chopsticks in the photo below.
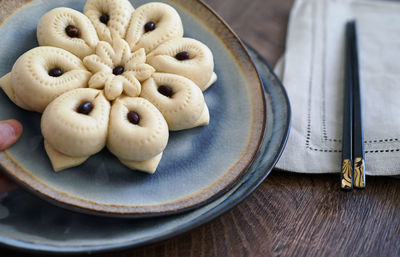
[353,170]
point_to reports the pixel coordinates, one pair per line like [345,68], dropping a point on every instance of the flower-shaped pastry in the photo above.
[118,70]
[113,76]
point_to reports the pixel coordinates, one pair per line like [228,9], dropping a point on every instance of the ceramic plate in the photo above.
[30,224]
[198,164]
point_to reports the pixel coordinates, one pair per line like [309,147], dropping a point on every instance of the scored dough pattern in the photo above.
[106,59]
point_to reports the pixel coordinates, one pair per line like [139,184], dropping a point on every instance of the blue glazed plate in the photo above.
[41,227]
[198,165]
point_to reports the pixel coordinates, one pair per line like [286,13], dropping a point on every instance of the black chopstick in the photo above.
[346,178]
[358,139]
[353,141]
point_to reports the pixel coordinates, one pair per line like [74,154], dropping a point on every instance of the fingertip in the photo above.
[10,132]
[17,127]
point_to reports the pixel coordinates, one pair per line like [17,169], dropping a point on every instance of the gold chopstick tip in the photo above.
[359,173]
[346,176]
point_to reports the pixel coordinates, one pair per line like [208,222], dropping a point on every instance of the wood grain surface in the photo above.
[289,214]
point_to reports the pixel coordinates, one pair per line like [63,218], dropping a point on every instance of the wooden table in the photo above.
[289,214]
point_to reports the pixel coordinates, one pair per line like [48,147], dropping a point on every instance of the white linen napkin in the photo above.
[313,74]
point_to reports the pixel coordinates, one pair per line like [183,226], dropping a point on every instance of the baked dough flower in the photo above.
[113,76]
[117,70]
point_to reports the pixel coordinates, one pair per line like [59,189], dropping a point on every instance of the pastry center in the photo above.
[118,70]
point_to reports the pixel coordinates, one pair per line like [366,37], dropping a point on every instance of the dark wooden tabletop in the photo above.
[289,214]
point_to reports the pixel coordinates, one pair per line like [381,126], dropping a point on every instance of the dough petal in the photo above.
[119,13]
[132,86]
[199,67]
[184,108]
[213,78]
[73,133]
[113,88]
[61,161]
[99,79]
[148,166]
[136,142]
[167,21]
[51,31]
[6,85]
[204,118]
[33,84]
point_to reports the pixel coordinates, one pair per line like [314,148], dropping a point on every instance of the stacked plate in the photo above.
[204,171]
